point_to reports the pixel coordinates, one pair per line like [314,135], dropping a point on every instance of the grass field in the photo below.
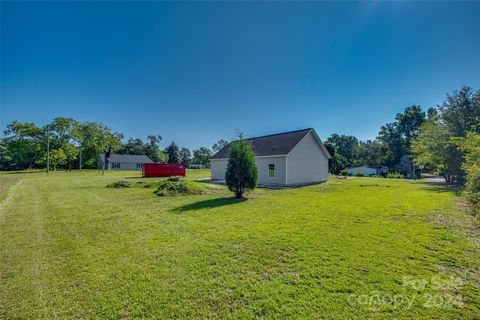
[357,248]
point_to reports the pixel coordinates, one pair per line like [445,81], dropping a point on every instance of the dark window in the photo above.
[271,170]
[139,165]
[115,165]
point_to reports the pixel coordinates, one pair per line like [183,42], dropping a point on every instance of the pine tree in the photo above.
[242,172]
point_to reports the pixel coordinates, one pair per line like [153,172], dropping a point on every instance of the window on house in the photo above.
[115,165]
[139,165]
[271,170]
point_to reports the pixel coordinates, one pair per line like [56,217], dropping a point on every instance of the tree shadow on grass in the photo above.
[24,172]
[208,204]
[441,187]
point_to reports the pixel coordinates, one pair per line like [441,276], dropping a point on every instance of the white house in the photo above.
[123,161]
[367,171]
[283,159]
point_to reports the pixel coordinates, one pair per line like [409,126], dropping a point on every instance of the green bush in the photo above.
[373,175]
[395,175]
[470,145]
[344,172]
[120,184]
[242,172]
[175,186]
[472,190]
[360,174]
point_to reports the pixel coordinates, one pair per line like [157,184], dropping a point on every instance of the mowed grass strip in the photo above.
[72,248]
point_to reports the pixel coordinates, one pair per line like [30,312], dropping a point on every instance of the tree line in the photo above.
[73,144]
[391,149]
[444,140]
[428,138]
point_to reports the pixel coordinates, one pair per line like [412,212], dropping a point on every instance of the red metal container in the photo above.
[163,170]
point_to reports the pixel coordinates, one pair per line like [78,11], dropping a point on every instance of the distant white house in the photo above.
[122,162]
[284,159]
[367,171]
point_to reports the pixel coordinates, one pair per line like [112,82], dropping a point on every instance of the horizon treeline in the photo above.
[74,145]
[430,137]
[416,136]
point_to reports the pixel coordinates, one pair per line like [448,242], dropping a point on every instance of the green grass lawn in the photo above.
[72,249]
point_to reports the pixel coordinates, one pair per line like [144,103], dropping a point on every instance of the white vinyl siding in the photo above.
[307,162]
[219,166]
[126,166]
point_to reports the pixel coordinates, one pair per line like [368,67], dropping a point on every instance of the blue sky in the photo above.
[194,72]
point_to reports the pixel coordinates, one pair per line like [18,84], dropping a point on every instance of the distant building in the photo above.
[367,171]
[283,159]
[123,161]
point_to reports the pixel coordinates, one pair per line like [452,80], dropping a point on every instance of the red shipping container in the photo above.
[163,170]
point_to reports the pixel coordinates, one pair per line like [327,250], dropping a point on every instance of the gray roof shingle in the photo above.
[274,144]
[132,158]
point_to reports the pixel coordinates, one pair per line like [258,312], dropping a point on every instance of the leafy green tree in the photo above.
[94,138]
[202,156]
[133,146]
[460,112]
[62,131]
[173,152]
[185,156]
[432,113]
[25,144]
[6,162]
[393,146]
[152,149]
[369,153]
[470,145]
[242,172]
[436,143]
[409,122]
[345,147]
[335,165]
[57,157]
[161,156]
[219,145]
[71,153]
[431,145]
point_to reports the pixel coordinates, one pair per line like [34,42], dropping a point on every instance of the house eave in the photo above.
[271,156]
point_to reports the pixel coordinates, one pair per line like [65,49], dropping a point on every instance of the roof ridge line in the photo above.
[277,134]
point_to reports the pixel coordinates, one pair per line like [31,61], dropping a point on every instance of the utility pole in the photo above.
[48,149]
